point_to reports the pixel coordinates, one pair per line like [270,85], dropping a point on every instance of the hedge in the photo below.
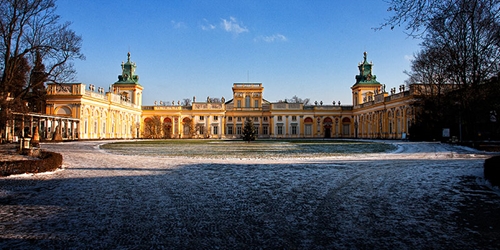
[492,170]
[49,161]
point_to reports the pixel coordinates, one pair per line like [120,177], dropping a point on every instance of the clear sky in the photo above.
[200,48]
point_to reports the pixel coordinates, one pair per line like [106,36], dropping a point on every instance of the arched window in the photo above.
[64,111]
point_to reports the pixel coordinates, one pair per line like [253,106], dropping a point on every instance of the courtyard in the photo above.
[409,195]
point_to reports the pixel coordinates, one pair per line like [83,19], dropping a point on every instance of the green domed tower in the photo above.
[128,86]
[366,86]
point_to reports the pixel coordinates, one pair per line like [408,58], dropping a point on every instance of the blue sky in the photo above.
[200,48]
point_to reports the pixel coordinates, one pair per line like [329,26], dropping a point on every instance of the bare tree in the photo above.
[296,99]
[461,47]
[215,100]
[429,68]
[466,33]
[167,130]
[32,39]
[152,127]
[186,102]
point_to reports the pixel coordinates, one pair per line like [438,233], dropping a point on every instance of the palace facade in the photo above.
[118,112]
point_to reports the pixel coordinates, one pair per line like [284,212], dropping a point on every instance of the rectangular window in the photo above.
[216,118]
[256,119]
[256,130]
[264,130]
[280,118]
[230,119]
[265,118]
[202,128]
[294,118]
[238,119]
[238,130]
[256,103]
[216,130]
[202,118]
[229,130]
[238,104]
[308,129]
[280,129]
[294,129]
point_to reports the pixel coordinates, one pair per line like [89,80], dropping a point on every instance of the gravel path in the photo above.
[421,196]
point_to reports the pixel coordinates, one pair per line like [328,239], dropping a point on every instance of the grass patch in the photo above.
[240,149]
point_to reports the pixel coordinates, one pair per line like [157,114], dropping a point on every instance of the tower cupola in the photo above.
[128,72]
[365,73]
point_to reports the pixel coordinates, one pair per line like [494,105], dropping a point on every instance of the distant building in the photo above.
[83,111]
[374,113]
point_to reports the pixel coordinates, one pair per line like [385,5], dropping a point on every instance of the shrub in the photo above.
[49,161]
[492,170]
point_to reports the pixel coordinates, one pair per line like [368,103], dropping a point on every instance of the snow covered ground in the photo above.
[420,196]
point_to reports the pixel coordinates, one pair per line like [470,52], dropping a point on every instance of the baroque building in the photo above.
[115,113]
[81,111]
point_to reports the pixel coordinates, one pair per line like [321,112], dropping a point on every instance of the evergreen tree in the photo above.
[35,94]
[249,132]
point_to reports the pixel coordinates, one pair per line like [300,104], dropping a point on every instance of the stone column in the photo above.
[260,125]
[77,129]
[223,126]
[209,126]
[31,126]
[22,127]
[287,131]
[271,126]
[179,127]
